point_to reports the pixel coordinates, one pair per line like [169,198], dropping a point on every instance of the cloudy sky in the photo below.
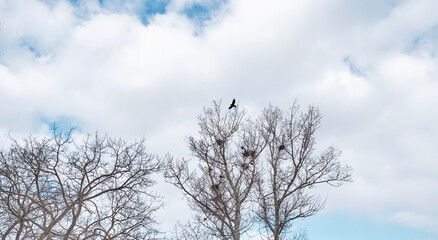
[146,67]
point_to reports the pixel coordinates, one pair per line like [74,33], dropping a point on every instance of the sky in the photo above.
[146,68]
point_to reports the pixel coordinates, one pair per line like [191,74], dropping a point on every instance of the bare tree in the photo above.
[292,168]
[227,150]
[54,188]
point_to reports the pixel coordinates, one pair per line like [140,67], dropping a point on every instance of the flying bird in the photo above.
[233,104]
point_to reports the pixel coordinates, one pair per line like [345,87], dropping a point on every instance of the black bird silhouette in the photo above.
[233,104]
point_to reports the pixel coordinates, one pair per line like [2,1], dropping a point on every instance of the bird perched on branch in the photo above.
[233,104]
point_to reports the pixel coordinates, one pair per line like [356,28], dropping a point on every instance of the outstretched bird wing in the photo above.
[232,104]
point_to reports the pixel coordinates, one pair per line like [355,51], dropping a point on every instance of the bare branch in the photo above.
[292,168]
[56,188]
[227,150]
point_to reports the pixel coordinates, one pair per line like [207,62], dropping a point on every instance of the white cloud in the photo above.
[343,86]
[35,23]
[405,22]
[416,220]
[8,82]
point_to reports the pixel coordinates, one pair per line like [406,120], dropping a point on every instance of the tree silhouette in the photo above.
[219,192]
[58,188]
[265,165]
[292,168]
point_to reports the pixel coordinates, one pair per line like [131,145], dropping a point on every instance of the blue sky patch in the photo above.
[427,41]
[352,67]
[34,51]
[74,2]
[344,226]
[197,12]
[63,123]
[201,12]
[143,9]
[152,8]
[30,47]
